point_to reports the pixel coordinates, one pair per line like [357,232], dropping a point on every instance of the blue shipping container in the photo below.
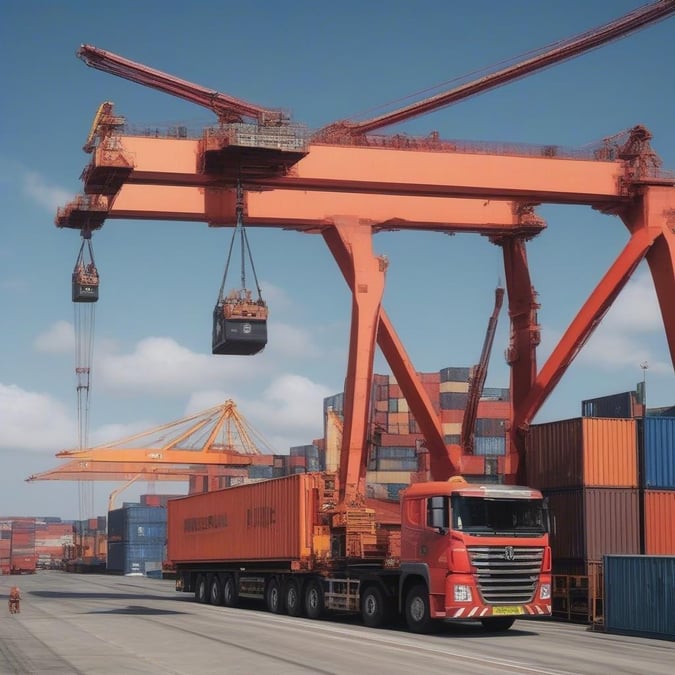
[640,595]
[455,374]
[127,524]
[134,558]
[453,400]
[489,445]
[659,439]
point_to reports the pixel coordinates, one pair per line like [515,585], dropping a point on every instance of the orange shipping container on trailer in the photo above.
[660,522]
[270,520]
[582,452]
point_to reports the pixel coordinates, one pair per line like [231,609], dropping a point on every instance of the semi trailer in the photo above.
[449,550]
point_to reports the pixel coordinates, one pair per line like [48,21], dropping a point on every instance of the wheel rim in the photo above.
[274,596]
[313,598]
[292,597]
[370,605]
[228,590]
[417,609]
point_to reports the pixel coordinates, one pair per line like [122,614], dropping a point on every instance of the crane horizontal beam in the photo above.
[365,170]
[308,211]
[114,471]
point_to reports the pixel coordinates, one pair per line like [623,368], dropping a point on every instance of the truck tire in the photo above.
[215,591]
[201,589]
[314,600]
[273,597]
[417,614]
[373,610]
[498,624]
[229,591]
[292,598]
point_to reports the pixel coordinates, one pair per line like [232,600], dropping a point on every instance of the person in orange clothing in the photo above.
[14,600]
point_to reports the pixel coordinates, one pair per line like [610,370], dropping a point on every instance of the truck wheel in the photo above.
[229,591]
[215,591]
[497,624]
[372,607]
[273,598]
[314,600]
[292,596]
[417,615]
[201,589]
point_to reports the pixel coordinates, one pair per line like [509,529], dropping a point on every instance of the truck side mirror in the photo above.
[438,515]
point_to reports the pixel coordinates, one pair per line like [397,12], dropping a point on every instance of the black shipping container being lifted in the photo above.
[85,274]
[239,327]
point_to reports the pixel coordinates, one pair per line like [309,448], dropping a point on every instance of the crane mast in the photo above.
[477,377]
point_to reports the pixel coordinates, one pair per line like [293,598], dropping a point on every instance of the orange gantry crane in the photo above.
[208,445]
[346,184]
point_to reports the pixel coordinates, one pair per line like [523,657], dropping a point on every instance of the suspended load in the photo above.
[239,324]
[85,274]
[239,321]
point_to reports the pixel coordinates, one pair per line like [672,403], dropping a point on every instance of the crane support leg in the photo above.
[444,462]
[351,244]
[583,325]
[661,256]
[525,336]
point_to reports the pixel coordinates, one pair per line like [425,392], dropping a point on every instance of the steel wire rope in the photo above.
[240,229]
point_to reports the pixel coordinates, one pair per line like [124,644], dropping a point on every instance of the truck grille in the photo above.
[506,574]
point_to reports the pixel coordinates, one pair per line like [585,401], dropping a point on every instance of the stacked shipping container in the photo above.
[396,436]
[136,539]
[5,546]
[52,539]
[656,436]
[587,468]
[22,548]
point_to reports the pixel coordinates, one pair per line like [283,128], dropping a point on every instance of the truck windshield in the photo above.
[492,516]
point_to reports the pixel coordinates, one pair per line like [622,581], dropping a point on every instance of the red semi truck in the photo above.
[448,550]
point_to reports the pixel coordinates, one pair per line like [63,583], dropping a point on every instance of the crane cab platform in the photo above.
[85,284]
[239,326]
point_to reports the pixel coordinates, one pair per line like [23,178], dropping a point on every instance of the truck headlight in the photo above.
[545,592]
[462,593]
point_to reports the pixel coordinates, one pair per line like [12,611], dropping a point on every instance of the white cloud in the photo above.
[291,342]
[636,310]
[291,403]
[621,338]
[59,338]
[49,196]
[162,367]
[33,421]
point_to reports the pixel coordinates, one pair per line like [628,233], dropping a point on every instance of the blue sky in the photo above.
[321,62]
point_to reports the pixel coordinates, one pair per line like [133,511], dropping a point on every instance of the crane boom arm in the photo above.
[477,379]
[228,108]
[561,51]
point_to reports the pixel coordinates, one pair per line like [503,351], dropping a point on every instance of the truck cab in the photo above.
[473,552]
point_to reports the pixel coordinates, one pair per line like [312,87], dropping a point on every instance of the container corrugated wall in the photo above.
[610,452]
[593,522]
[590,452]
[640,595]
[660,522]
[659,437]
[261,521]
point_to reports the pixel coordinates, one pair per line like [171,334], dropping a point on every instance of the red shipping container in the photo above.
[660,522]
[273,519]
[494,409]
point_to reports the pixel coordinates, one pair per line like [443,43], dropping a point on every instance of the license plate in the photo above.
[500,611]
